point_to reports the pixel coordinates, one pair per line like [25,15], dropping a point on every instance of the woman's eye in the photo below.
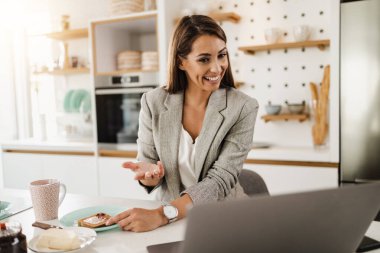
[221,56]
[204,60]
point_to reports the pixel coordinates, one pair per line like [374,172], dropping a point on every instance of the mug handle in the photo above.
[62,192]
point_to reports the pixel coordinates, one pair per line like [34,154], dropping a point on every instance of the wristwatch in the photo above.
[170,212]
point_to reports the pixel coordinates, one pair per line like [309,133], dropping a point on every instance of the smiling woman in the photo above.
[195,133]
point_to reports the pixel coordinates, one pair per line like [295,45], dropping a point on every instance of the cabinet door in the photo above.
[287,179]
[114,181]
[78,173]
[21,169]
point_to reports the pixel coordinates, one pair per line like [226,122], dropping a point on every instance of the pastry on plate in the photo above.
[94,221]
[58,239]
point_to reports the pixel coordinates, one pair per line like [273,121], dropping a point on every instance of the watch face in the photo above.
[170,212]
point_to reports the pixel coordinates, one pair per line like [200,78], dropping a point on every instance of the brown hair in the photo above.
[187,31]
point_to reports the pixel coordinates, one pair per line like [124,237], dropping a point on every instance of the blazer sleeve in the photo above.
[146,150]
[222,177]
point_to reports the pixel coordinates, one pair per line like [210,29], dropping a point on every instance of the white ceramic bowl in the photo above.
[273,109]
[296,108]
[301,33]
[272,35]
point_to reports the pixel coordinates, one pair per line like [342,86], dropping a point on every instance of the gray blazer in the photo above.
[222,145]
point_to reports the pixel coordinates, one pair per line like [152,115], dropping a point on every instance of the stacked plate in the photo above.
[149,60]
[119,7]
[78,100]
[128,60]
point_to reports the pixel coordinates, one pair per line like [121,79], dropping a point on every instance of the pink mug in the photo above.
[45,198]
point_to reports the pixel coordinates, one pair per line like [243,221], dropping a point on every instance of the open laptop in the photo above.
[333,220]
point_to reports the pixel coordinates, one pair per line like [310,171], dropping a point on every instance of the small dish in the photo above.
[273,109]
[86,237]
[296,108]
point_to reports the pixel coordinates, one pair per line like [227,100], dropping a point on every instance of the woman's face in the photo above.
[206,64]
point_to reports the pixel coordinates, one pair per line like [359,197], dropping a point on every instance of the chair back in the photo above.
[252,183]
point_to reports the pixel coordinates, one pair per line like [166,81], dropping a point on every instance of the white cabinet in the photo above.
[20,169]
[286,179]
[115,181]
[78,173]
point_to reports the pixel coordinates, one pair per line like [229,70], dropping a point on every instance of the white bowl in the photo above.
[273,109]
[301,33]
[272,35]
[296,108]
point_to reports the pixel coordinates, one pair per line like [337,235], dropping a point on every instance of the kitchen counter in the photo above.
[261,154]
[35,146]
[303,156]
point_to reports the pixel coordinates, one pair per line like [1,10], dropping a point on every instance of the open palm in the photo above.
[145,170]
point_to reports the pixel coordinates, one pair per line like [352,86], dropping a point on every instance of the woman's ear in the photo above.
[180,63]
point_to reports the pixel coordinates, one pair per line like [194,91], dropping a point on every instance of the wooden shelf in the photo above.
[321,44]
[69,71]
[68,35]
[222,16]
[286,117]
[121,72]
[225,16]
[127,17]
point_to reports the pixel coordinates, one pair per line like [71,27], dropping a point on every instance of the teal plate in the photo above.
[4,208]
[66,101]
[76,99]
[70,219]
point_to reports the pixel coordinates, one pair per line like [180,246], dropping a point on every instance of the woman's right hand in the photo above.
[148,174]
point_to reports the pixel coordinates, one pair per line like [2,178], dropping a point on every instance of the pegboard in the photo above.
[278,76]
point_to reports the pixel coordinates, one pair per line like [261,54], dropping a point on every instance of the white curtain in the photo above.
[8,119]
[15,116]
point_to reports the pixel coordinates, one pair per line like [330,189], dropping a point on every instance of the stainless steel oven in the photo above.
[118,108]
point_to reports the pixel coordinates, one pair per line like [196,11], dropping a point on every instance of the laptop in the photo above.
[333,220]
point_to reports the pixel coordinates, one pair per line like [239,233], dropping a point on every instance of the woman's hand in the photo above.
[139,219]
[147,173]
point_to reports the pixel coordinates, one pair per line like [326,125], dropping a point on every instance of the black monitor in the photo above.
[360,96]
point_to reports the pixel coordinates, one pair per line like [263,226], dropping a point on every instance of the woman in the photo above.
[195,133]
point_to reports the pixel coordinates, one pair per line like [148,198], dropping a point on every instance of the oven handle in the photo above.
[122,91]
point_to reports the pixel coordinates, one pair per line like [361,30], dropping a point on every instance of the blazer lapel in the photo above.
[170,128]
[211,124]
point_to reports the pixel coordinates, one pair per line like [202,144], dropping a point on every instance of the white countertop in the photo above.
[305,154]
[59,145]
[302,154]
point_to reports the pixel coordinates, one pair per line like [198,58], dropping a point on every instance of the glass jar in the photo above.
[12,240]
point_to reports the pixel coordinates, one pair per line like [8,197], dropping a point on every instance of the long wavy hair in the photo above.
[187,31]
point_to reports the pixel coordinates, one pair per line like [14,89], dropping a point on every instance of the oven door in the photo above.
[117,114]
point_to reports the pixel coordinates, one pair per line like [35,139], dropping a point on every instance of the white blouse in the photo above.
[186,158]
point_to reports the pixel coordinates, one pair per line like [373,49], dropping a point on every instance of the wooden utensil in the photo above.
[320,127]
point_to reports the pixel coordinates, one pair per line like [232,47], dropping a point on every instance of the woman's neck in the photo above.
[196,98]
